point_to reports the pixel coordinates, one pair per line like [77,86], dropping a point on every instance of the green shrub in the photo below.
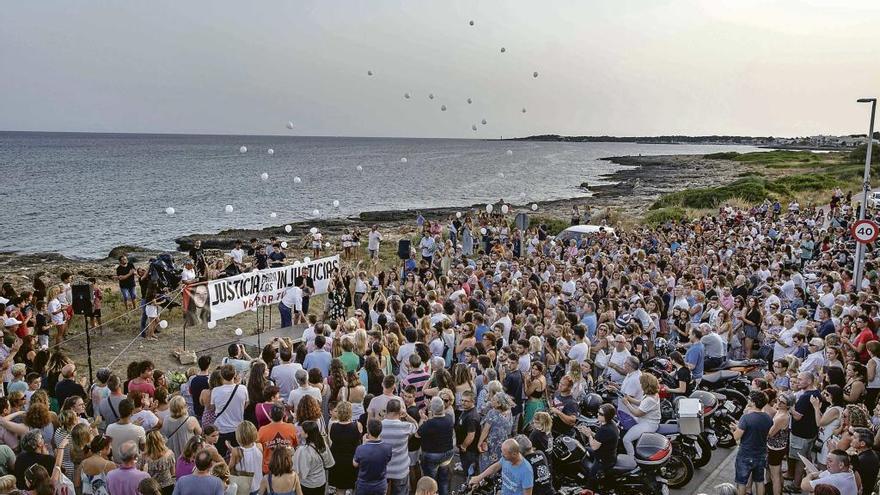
[554,225]
[663,215]
[724,155]
[858,155]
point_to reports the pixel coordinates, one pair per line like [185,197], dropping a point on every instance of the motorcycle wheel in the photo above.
[725,437]
[738,399]
[678,471]
[704,452]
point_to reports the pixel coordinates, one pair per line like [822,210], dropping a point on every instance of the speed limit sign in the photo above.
[865,231]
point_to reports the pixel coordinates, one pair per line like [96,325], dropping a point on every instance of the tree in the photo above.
[858,154]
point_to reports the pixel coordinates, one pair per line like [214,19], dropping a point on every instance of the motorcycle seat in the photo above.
[667,428]
[625,463]
[717,376]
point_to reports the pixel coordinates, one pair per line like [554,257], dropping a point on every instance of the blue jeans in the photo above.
[128,293]
[749,466]
[398,487]
[286,315]
[436,465]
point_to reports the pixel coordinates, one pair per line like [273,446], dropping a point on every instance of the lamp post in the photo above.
[860,247]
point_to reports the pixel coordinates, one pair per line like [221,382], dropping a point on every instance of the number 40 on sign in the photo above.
[865,231]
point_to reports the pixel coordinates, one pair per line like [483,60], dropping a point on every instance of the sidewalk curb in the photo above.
[708,485]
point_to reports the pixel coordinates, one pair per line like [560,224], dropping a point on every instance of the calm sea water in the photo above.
[83,194]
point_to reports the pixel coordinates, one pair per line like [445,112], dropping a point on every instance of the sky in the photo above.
[621,67]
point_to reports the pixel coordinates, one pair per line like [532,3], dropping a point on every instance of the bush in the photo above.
[725,155]
[663,215]
[858,155]
[554,225]
[751,188]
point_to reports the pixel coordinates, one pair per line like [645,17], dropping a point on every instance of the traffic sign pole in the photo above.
[860,248]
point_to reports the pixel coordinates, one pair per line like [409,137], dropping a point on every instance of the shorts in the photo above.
[748,466]
[750,331]
[374,253]
[128,293]
[316,245]
[798,445]
[775,457]
[96,313]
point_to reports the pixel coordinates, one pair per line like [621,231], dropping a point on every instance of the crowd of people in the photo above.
[468,358]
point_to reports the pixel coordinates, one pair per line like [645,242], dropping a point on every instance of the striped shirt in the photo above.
[396,433]
[418,379]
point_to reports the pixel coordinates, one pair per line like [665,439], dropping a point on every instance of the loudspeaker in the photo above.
[82,299]
[403,249]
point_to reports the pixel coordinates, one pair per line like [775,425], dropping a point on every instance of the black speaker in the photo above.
[403,249]
[82,299]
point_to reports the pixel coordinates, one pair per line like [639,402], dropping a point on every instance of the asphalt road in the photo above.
[709,472]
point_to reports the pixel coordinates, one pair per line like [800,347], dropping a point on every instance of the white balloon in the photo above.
[484,121]
[489,208]
[359,168]
[458,214]
[503,49]
[369,73]
[327,245]
[505,209]
[212,324]
[336,203]
[270,151]
[229,208]
[297,180]
[470,101]
[163,324]
[307,260]
[501,174]
[509,152]
[534,206]
[406,95]
[289,124]
[403,160]
[524,110]
[239,331]
[273,215]
[243,149]
[169,211]
[430,96]
[264,176]
[483,231]
[535,74]
[316,212]
[284,244]
[288,228]
[442,108]
[474,127]
[471,23]
[313,230]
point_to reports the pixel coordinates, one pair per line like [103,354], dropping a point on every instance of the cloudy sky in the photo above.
[622,67]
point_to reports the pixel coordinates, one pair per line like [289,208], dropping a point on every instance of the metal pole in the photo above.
[860,248]
[89,349]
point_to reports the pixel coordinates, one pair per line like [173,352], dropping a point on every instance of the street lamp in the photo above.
[860,247]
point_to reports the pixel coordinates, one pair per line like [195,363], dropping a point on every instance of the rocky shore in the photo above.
[629,191]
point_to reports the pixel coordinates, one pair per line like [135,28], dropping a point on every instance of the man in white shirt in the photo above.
[229,401]
[838,475]
[826,300]
[581,350]
[284,374]
[615,368]
[237,255]
[784,344]
[630,388]
[290,306]
[427,245]
[816,359]
[405,351]
[238,358]
[373,239]
[188,274]
[302,389]
[123,430]
[506,321]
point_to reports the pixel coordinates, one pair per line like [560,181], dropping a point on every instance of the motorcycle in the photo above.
[719,414]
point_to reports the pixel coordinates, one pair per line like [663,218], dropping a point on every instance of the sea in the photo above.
[81,195]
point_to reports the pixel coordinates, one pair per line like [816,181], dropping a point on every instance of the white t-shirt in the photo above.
[293,298]
[152,311]
[237,255]
[298,393]
[284,376]
[630,387]
[651,405]
[148,419]
[234,414]
[579,352]
[618,358]
[845,482]
[187,275]
[374,238]
[55,305]
[124,433]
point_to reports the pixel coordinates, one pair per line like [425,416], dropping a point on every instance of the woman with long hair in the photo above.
[829,420]
[856,376]
[312,459]
[345,436]
[535,390]
[338,383]
[248,456]
[257,381]
[208,413]
[180,426]
[308,409]
[355,394]
[96,466]
[281,479]
[371,375]
[158,460]
[777,439]
[752,318]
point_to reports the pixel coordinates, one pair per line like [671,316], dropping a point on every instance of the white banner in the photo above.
[233,295]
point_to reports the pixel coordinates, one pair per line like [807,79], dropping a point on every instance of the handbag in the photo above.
[242,479]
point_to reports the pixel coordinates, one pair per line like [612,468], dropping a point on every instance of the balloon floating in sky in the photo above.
[336,203]
[163,324]
[483,230]
[501,174]
[524,110]
[316,212]
[535,74]
[359,168]
[297,180]
[489,208]
[503,49]
[228,208]
[307,260]
[470,101]
[289,124]
[471,23]
[458,214]
[430,96]
[474,127]
[505,209]
[288,228]
[484,121]
[264,176]
[442,108]
[270,151]
[273,215]
[239,331]
[403,160]
[284,244]
[243,149]
[534,206]
[509,152]
[407,95]
[369,73]
[169,211]
[212,324]
[327,245]
[313,230]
